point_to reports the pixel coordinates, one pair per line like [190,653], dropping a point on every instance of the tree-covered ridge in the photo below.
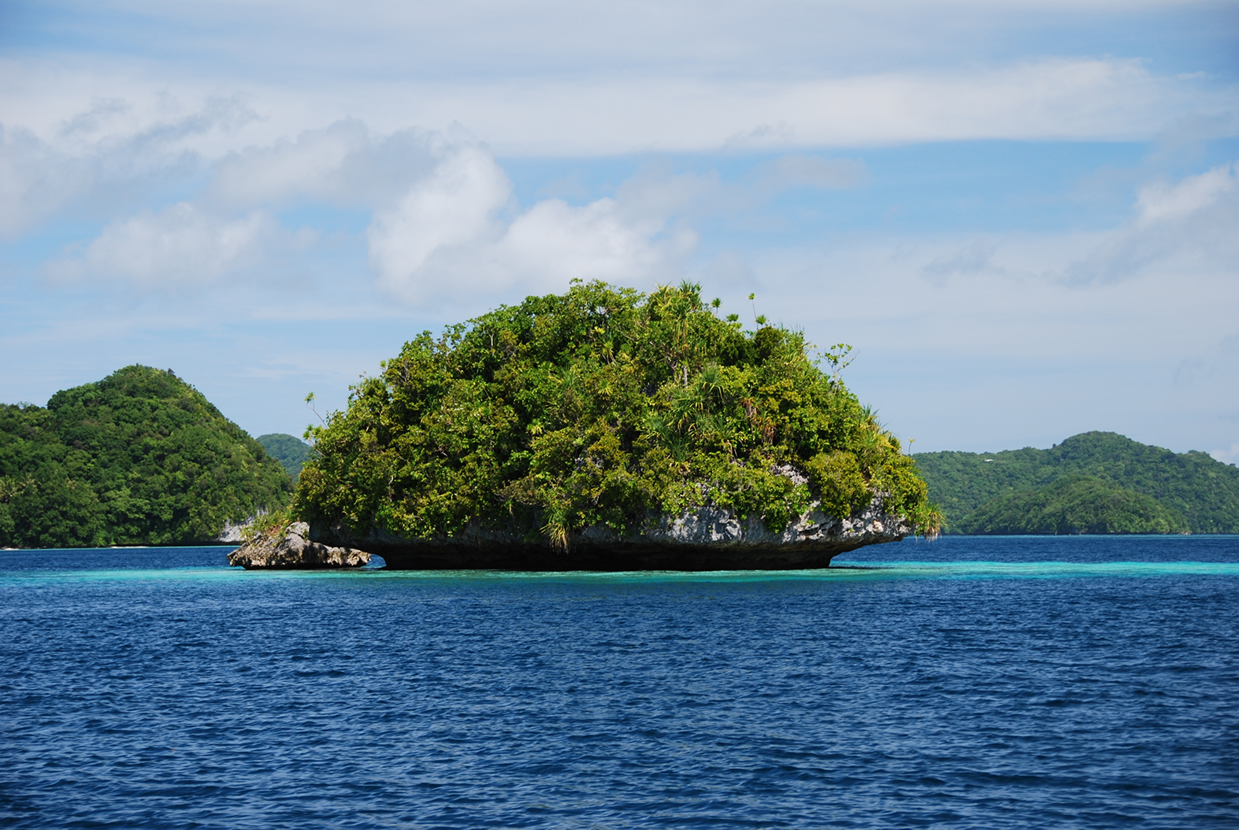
[596,408]
[291,452]
[1192,485]
[140,457]
[1074,504]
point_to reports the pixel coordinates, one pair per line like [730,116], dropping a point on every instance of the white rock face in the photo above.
[717,526]
[234,533]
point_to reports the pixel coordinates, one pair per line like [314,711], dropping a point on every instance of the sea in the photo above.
[969,682]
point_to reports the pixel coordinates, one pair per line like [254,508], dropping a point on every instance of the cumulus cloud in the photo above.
[457,232]
[1193,219]
[454,206]
[601,240]
[443,220]
[178,247]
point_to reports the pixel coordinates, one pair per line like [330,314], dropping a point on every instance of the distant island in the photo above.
[138,458]
[606,429]
[290,451]
[1095,482]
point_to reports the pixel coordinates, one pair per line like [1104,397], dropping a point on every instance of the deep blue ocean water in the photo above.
[1077,682]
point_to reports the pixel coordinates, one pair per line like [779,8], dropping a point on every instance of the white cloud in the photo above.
[654,108]
[443,225]
[600,240]
[453,235]
[1162,201]
[1060,99]
[99,161]
[310,166]
[1191,222]
[344,164]
[175,248]
[454,206]
[34,181]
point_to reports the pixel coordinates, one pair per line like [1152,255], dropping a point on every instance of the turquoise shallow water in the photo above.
[1071,682]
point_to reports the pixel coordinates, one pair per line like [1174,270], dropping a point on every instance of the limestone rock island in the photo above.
[288,548]
[605,429]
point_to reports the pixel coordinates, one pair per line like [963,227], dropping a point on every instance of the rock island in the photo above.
[606,429]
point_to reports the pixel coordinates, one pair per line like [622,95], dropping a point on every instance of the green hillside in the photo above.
[1200,490]
[1074,504]
[291,452]
[140,457]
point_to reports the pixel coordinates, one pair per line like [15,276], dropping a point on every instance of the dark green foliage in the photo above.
[1192,485]
[1074,504]
[291,452]
[593,408]
[138,458]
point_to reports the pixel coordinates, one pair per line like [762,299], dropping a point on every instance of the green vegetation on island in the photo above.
[1075,504]
[291,452]
[598,408]
[1096,482]
[139,458]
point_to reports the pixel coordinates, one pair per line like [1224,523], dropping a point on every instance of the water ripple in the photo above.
[978,687]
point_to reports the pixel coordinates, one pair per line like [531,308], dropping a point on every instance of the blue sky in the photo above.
[1022,215]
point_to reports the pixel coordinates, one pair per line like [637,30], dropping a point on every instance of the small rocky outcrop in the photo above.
[291,549]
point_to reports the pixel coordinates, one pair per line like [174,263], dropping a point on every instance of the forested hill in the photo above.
[290,451]
[1020,491]
[140,457]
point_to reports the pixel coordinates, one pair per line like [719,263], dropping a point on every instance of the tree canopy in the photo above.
[598,407]
[140,457]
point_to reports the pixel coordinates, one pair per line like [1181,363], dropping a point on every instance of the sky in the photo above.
[1023,216]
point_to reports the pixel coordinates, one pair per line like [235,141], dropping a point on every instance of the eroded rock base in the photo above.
[705,539]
